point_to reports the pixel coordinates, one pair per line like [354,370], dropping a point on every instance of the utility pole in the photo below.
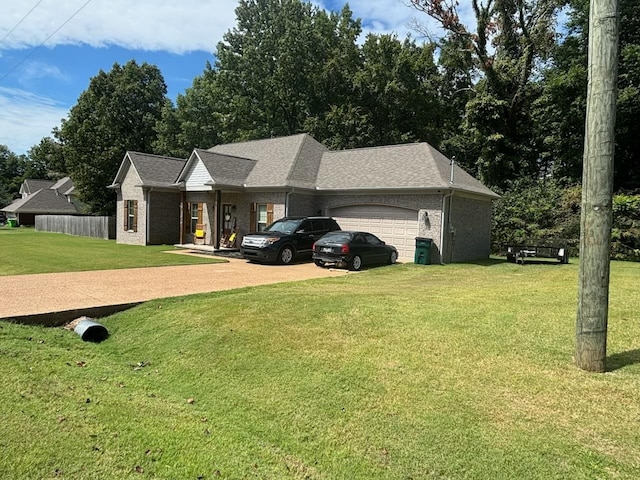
[597,187]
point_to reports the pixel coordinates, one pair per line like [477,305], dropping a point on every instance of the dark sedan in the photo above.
[353,250]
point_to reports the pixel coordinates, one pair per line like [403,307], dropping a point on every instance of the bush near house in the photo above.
[547,209]
[625,234]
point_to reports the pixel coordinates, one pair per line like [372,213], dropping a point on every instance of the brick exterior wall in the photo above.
[471,222]
[428,211]
[241,214]
[467,238]
[164,217]
[129,191]
[301,205]
[208,218]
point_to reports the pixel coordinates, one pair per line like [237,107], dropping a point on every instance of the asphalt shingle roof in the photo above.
[280,161]
[408,166]
[31,185]
[63,185]
[226,170]
[156,170]
[300,161]
[42,201]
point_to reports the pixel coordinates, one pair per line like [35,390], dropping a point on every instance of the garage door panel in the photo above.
[396,226]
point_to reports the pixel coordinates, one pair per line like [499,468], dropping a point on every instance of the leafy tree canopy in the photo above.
[118,112]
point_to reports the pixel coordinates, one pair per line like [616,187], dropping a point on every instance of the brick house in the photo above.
[397,192]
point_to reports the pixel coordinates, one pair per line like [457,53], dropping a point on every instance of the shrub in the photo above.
[625,233]
[547,210]
[537,210]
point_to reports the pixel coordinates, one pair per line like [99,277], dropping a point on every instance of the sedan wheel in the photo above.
[356,263]
[286,255]
[393,258]
[319,263]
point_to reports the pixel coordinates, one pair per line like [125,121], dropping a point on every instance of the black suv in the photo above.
[286,239]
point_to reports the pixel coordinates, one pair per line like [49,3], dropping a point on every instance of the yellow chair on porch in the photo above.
[199,233]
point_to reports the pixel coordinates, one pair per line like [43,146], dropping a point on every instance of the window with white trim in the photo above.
[262,216]
[131,216]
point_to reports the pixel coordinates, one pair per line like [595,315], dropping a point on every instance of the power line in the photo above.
[21,20]
[43,42]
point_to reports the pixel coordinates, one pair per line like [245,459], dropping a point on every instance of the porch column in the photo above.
[218,218]
[183,198]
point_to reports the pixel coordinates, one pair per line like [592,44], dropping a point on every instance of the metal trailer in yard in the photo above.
[518,253]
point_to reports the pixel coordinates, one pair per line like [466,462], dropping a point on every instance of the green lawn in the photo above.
[23,251]
[400,372]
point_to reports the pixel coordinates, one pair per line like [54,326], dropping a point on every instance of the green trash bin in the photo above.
[423,251]
[12,222]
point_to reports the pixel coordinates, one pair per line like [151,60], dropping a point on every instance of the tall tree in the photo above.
[283,67]
[48,159]
[394,99]
[196,119]
[507,41]
[560,111]
[265,65]
[12,173]
[118,112]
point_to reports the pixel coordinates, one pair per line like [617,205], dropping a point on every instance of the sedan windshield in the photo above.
[284,226]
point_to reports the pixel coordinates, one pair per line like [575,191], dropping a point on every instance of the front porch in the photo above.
[210,250]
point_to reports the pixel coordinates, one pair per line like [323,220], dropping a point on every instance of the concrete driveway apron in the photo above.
[80,293]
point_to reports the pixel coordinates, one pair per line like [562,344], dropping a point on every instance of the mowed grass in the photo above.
[399,372]
[24,251]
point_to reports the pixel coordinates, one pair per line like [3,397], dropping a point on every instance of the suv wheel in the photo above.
[286,255]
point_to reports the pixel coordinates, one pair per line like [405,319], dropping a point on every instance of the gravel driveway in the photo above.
[59,297]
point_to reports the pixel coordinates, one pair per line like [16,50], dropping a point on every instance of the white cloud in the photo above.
[166,25]
[25,117]
[34,70]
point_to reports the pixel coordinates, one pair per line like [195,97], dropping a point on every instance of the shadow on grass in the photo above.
[623,359]
[489,262]
[550,261]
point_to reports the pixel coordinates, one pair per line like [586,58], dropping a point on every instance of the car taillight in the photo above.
[344,249]
[313,247]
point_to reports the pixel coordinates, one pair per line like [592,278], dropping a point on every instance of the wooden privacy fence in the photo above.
[94,227]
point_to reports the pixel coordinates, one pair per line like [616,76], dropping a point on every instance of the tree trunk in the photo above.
[597,187]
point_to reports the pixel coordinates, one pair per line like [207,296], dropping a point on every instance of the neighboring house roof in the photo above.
[63,186]
[394,167]
[43,201]
[31,185]
[283,161]
[153,170]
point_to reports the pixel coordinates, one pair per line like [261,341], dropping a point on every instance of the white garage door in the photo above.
[396,226]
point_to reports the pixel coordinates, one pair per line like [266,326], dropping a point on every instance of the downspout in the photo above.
[147,223]
[287,201]
[446,213]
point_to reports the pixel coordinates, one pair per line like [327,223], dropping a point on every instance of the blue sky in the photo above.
[50,49]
